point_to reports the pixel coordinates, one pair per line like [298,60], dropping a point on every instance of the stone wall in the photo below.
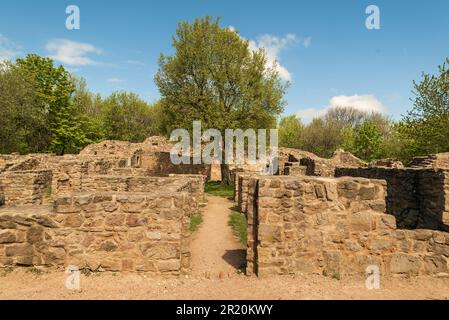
[314,165]
[418,198]
[25,187]
[439,160]
[160,164]
[333,226]
[67,176]
[294,169]
[110,231]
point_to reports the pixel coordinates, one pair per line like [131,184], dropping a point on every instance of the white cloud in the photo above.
[8,49]
[115,80]
[72,53]
[273,45]
[366,103]
[310,113]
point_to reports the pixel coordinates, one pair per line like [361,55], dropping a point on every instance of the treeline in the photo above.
[423,130]
[44,108]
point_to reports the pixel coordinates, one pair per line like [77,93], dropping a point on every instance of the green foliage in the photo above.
[367,141]
[216,188]
[237,221]
[46,109]
[290,130]
[195,220]
[23,125]
[321,137]
[425,128]
[367,135]
[126,117]
[62,128]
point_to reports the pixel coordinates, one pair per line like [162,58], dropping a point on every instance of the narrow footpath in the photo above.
[216,252]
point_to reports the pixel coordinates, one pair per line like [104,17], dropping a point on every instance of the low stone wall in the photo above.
[67,176]
[160,164]
[333,226]
[418,198]
[24,187]
[102,231]
[294,169]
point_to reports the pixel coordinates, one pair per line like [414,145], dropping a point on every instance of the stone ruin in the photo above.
[117,206]
[121,206]
[338,216]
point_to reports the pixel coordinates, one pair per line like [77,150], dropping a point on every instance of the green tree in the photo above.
[126,117]
[88,108]
[290,129]
[63,131]
[20,121]
[425,128]
[213,76]
[367,141]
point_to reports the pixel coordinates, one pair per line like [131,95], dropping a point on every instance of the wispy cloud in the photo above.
[366,103]
[72,53]
[9,50]
[273,45]
[115,80]
[135,62]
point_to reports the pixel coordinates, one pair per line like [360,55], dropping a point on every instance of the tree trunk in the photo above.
[225,174]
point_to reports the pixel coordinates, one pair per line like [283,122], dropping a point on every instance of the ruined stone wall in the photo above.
[67,176]
[439,160]
[314,165]
[294,169]
[160,164]
[418,198]
[110,231]
[25,187]
[333,226]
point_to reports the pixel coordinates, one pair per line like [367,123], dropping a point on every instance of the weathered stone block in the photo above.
[74,220]
[404,263]
[168,265]
[7,236]
[19,250]
[435,264]
[270,233]
[35,234]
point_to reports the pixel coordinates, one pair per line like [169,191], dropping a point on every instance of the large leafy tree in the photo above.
[425,128]
[21,122]
[213,76]
[55,86]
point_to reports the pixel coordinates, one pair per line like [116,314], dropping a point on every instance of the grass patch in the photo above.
[34,270]
[238,224]
[47,192]
[195,220]
[216,188]
[333,274]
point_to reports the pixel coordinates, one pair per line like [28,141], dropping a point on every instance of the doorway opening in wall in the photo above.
[218,246]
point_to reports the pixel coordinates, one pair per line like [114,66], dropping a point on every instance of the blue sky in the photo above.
[322,47]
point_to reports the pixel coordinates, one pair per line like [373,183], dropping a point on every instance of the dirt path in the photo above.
[216,252]
[21,284]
